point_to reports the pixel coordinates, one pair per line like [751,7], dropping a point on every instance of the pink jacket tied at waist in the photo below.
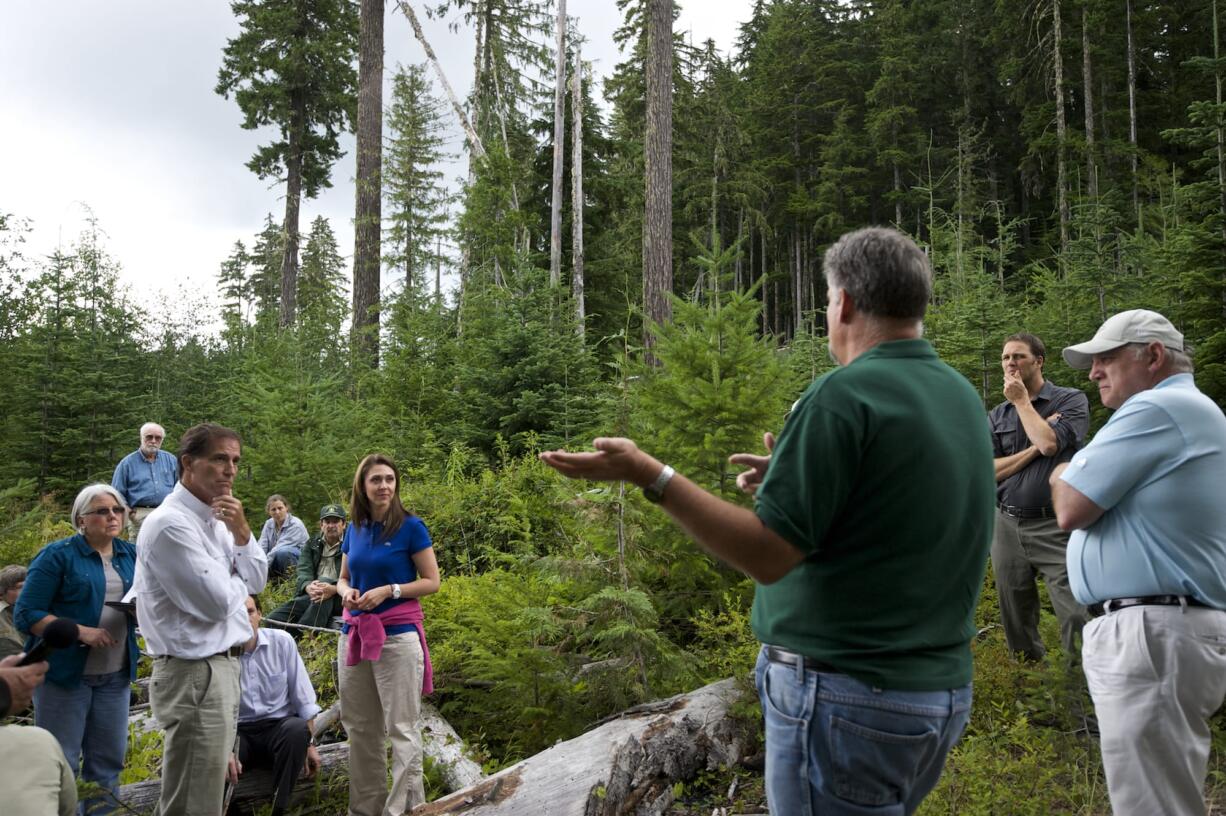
[367,634]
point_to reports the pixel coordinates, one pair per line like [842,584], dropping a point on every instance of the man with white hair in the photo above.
[146,475]
[1148,556]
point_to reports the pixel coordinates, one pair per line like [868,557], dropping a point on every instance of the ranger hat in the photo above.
[332,511]
[1134,326]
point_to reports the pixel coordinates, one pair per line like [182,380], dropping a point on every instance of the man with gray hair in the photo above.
[1148,555]
[868,543]
[146,476]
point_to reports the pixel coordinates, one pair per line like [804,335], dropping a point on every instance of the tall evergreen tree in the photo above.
[368,214]
[413,188]
[291,67]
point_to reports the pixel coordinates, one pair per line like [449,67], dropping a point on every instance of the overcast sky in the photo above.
[110,104]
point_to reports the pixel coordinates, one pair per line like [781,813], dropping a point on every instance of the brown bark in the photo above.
[576,191]
[1132,111]
[1061,128]
[368,209]
[293,201]
[1087,85]
[658,165]
[559,118]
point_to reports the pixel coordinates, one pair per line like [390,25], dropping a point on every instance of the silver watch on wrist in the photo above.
[654,492]
[396,591]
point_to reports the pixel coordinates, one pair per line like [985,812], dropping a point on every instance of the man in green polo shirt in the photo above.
[868,544]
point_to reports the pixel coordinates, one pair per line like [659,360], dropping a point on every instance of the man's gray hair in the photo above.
[1180,362]
[11,576]
[90,492]
[885,273]
[149,425]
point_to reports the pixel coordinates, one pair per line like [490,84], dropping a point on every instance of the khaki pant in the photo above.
[1157,674]
[139,514]
[1023,549]
[196,702]
[34,776]
[379,700]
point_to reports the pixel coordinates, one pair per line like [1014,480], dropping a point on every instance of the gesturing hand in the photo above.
[749,480]
[614,459]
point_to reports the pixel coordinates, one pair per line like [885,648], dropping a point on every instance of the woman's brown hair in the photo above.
[396,514]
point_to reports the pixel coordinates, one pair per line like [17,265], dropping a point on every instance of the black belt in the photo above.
[233,651]
[1116,604]
[776,655]
[1027,512]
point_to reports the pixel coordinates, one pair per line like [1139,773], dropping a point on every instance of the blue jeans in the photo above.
[283,560]
[90,722]
[837,746]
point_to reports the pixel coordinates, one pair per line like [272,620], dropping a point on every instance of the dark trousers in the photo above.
[280,743]
[302,610]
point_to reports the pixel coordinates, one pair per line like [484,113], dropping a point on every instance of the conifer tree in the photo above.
[416,196]
[290,67]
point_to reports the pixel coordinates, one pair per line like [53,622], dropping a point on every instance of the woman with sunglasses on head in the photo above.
[84,701]
[387,564]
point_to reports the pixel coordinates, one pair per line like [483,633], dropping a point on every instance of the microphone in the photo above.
[59,634]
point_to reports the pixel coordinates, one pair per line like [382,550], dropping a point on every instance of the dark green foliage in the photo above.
[291,67]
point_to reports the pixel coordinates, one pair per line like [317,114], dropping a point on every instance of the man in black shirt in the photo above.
[1036,428]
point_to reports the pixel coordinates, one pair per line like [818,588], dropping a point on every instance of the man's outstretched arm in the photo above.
[731,533]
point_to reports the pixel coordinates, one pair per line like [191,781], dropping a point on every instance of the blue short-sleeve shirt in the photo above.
[1157,468]
[374,562]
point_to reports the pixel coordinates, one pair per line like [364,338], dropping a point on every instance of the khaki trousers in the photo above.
[382,699]
[196,702]
[1022,550]
[137,519]
[1157,674]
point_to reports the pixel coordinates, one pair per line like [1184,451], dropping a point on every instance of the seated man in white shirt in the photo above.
[276,713]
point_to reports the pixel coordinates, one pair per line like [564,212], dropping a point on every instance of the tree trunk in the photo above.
[1221,127]
[293,201]
[474,141]
[658,166]
[1061,129]
[559,118]
[576,191]
[1087,86]
[367,212]
[627,765]
[1132,111]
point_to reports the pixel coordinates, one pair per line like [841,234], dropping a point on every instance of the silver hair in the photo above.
[11,576]
[90,492]
[1179,362]
[149,425]
[885,273]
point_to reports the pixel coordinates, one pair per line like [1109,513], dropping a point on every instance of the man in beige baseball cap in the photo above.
[1133,326]
[1148,558]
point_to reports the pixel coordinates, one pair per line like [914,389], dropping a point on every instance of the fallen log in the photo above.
[440,743]
[625,766]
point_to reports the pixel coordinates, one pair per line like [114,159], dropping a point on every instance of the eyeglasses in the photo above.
[102,512]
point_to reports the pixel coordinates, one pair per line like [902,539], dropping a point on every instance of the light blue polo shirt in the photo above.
[1158,468]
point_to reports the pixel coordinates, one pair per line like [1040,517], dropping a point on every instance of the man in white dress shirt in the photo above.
[276,716]
[197,562]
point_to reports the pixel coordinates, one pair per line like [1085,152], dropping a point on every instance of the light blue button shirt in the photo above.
[143,483]
[293,534]
[275,681]
[1158,469]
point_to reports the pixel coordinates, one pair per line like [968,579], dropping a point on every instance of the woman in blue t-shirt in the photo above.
[387,563]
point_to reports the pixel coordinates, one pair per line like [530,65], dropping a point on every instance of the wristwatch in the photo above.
[654,492]
[396,591]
